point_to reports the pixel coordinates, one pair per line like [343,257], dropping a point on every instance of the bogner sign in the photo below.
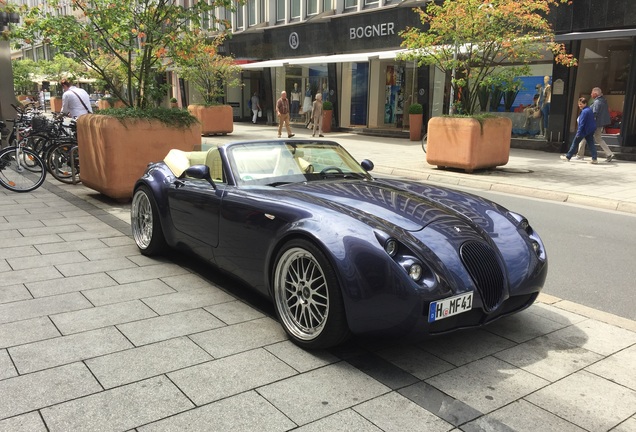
[371,31]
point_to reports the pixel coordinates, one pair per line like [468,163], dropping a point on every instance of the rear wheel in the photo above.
[145,224]
[307,297]
[62,160]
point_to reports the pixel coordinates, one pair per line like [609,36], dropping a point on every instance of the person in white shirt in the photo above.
[75,101]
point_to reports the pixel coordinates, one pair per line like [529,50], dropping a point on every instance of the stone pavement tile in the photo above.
[26,331]
[31,422]
[382,371]
[347,420]
[192,299]
[30,392]
[92,267]
[445,407]
[300,359]
[628,425]
[523,326]
[555,314]
[7,370]
[129,251]
[587,400]
[143,260]
[119,409]
[70,284]
[24,216]
[136,364]
[116,241]
[232,375]
[136,273]
[34,262]
[234,312]
[186,282]
[169,326]
[21,310]
[549,357]
[18,251]
[80,245]
[415,361]
[394,413]
[103,231]
[14,293]
[618,367]
[521,416]
[333,388]
[70,221]
[458,349]
[225,341]
[29,275]
[68,349]
[487,384]
[28,241]
[19,224]
[245,412]
[11,234]
[596,336]
[59,229]
[125,292]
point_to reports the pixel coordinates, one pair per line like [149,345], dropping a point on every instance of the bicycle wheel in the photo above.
[62,161]
[14,174]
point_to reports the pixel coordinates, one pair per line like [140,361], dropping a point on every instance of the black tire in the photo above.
[145,223]
[21,170]
[307,297]
[62,161]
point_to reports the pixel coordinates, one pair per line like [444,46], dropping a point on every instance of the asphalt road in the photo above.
[591,252]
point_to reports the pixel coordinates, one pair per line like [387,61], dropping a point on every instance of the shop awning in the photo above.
[603,34]
[334,58]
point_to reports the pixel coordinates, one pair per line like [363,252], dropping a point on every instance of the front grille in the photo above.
[481,262]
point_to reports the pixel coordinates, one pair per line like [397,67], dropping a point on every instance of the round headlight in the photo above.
[536,247]
[391,247]
[415,272]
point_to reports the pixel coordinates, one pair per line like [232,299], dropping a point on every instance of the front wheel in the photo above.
[21,170]
[307,297]
[145,223]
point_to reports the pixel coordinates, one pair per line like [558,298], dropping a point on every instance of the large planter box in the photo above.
[327,116]
[56,103]
[103,104]
[465,143]
[114,155]
[215,119]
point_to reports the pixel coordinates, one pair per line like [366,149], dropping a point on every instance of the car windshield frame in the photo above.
[279,162]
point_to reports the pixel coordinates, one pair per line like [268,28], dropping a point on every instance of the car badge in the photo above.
[269,216]
[458,229]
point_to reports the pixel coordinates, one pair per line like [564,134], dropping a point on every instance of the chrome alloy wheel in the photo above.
[141,219]
[301,294]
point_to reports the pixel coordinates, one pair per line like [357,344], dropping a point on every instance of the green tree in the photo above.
[24,71]
[133,37]
[483,42]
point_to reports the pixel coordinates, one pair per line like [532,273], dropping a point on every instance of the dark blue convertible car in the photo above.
[338,251]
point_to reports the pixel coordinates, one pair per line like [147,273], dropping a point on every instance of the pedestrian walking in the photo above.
[602,116]
[256,106]
[585,130]
[282,109]
[75,101]
[316,113]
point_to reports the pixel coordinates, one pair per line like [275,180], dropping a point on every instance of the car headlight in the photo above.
[391,247]
[535,240]
[415,272]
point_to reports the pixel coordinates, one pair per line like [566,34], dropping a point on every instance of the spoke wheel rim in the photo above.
[141,220]
[301,294]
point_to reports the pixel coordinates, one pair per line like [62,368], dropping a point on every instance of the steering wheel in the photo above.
[326,169]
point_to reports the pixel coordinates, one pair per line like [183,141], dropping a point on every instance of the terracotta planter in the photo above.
[103,104]
[415,127]
[56,104]
[463,142]
[327,115]
[113,155]
[215,119]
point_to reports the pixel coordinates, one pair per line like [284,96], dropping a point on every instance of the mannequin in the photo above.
[547,99]
[307,104]
[295,101]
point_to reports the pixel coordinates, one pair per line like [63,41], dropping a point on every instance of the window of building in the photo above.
[240,19]
[327,5]
[312,7]
[280,10]
[351,4]
[371,3]
[295,9]
[251,13]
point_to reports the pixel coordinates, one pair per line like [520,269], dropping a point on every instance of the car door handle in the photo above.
[179,183]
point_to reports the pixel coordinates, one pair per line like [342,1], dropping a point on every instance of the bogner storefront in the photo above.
[350,59]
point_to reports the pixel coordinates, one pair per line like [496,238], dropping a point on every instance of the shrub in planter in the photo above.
[327,116]
[415,121]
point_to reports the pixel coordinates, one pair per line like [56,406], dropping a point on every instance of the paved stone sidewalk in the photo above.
[96,337]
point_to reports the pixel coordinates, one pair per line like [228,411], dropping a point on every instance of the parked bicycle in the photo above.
[21,169]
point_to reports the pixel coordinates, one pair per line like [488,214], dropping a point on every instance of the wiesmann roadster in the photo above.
[338,251]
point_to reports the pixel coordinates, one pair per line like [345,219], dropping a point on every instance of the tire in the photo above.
[145,223]
[21,170]
[307,297]
[62,162]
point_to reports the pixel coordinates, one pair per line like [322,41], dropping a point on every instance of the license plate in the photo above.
[450,306]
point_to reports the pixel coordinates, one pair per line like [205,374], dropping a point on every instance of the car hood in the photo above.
[408,205]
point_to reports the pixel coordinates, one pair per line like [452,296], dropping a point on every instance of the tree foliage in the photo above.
[126,42]
[485,42]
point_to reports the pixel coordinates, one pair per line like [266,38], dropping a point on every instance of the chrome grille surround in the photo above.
[483,266]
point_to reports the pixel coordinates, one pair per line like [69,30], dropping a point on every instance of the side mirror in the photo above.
[201,172]
[367,165]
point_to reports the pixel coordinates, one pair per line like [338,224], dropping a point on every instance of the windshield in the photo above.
[280,162]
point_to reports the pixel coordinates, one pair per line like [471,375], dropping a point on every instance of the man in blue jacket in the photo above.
[603,119]
[585,130]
